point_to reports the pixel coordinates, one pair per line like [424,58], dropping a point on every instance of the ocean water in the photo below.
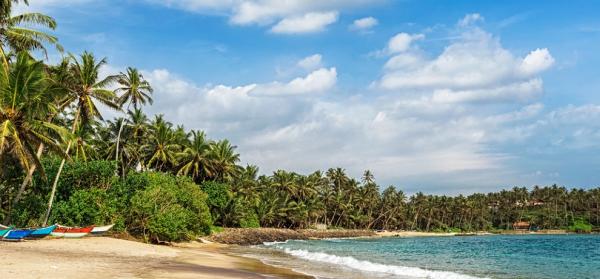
[509,256]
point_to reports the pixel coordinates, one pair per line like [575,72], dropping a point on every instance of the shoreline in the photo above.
[105,257]
[102,257]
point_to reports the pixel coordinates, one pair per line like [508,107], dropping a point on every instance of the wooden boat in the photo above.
[102,229]
[3,227]
[16,235]
[42,232]
[71,232]
[3,232]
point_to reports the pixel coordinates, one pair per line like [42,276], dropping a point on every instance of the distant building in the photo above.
[536,203]
[521,226]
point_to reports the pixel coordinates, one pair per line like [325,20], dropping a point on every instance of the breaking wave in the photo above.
[367,266]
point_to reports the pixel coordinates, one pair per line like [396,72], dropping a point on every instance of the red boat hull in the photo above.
[73,230]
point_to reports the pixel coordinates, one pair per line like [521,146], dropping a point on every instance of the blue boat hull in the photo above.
[42,232]
[17,234]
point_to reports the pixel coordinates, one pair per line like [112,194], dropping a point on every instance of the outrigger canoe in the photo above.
[102,229]
[70,232]
[42,232]
[16,235]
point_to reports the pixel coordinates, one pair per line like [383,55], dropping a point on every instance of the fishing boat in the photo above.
[3,227]
[3,232]
[16,235]
[71,232]
[101,230]
[42,232]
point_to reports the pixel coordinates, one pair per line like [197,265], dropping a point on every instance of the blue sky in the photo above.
[438,96]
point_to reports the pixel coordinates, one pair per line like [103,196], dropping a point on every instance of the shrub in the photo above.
[250,220]
[87,207]
[580,226]
[169,209]
[218,198]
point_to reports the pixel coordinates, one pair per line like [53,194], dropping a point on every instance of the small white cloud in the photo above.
[537,61]
[401,42]
[311,62]
[404,61]
[469,20]
[307,23]
[318,81]
[363,24]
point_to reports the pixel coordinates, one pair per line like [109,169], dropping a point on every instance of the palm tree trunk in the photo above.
[24,184]
[60,168]
[119,137]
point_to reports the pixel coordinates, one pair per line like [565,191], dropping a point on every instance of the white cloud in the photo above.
[475,68]
[318,81]
[469,20]
[402,42]
[307,23]
[404,61]
[293,16]
[310,63]
[537,61]
[521,92]
[364,23]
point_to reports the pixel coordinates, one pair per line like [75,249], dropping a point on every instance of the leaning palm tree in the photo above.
[15,34]
[135,91]
[195,159]
[85,88]
[24,103]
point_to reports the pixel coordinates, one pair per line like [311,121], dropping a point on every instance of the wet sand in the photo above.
[103,257]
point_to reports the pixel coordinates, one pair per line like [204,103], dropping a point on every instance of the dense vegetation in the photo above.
[62,162]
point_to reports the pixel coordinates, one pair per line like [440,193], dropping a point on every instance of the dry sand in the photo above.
[103,257]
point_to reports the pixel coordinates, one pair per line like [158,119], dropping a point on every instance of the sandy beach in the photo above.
[104,257]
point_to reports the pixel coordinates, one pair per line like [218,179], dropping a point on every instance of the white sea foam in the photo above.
[367,266]
[274,243]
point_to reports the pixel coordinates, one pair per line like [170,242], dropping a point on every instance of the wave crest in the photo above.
[368,266]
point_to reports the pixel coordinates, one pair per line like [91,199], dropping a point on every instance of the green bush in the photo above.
[87,207]
[169,209]
[219,197]
[249,220]
[580,226]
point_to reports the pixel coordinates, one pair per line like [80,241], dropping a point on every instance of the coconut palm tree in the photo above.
[24,103]
[194,160]
[15,34]
[84,88]
[224,160]
[161,148]
[135,91]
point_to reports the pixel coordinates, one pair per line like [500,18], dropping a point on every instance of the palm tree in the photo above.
[195,157]
[13,34]
[136,91]
[24,104]
[85,88]
[162,146]
[224,160]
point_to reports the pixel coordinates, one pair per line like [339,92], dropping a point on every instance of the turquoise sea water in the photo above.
[514,256]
